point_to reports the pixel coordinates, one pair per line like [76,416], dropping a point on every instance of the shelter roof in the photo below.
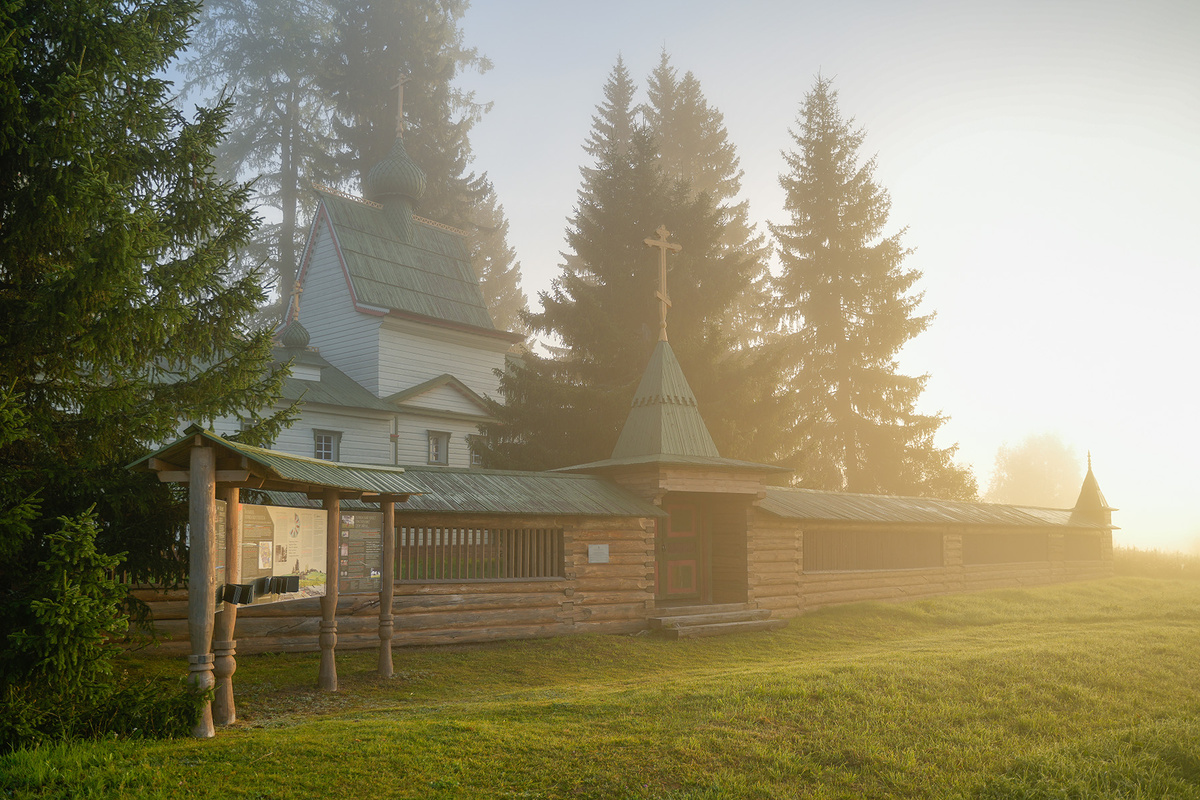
[507,492]
[258,468]
[814,504]
[428,276]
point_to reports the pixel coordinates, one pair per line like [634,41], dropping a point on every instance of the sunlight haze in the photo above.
[1043,157]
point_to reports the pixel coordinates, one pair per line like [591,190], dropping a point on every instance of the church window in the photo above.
[326,445]
[439,447]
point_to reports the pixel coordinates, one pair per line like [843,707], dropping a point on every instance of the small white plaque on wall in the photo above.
[597,554]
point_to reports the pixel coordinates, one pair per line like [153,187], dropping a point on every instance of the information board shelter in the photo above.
[211,465]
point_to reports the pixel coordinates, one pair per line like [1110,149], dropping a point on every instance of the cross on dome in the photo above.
[399,87]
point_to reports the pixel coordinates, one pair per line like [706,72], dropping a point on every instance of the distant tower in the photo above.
[1091,507]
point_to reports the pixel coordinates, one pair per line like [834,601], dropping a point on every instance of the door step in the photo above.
[688,622]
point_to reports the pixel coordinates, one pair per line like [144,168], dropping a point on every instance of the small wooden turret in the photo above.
[1091,508]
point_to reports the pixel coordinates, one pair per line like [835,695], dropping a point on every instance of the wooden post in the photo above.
[327,678]
[224,645]
[387,588]
[202,588]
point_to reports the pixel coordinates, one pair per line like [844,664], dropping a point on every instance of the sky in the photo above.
[1044,158]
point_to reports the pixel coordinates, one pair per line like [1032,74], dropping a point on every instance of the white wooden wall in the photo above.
[412,443]
[345,337]
[411,353]
[366,437]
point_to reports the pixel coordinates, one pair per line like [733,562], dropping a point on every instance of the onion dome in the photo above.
[396,176]
[294,336]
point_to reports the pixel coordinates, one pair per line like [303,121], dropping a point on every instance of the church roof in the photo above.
[333,388]
[426,277]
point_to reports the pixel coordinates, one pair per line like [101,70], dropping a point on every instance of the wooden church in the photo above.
[394,352]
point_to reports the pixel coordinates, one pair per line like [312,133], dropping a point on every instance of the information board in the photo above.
[284,541]
[360,552]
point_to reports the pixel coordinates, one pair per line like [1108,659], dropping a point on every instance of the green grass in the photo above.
[1078,691]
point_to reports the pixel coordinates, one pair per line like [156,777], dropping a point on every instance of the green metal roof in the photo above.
[282,471]
[672,460]
[664,418]
[664,425]
[335,388]
[813,504]
[429,276]
[505,492]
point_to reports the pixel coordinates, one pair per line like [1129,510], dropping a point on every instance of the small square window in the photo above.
[326,445]
[475,447]
[439,447]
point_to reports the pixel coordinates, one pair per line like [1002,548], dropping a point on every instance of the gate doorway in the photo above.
[683,574]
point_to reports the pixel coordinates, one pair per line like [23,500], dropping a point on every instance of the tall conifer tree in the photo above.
[268,55]
[120,311]
[848,307]
[602,307]
[496,264]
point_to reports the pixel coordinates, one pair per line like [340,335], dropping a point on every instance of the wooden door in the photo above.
[682,566]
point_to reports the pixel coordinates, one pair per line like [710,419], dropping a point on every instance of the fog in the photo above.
[1042,156]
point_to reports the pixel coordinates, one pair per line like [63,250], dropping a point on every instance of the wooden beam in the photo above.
[224,644]
[202,589]
[327,677]
[387,586]
[238,476]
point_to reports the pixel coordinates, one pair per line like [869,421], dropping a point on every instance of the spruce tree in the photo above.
[267,55]
[602,308]
[847,306]
[496,264]
[121,313]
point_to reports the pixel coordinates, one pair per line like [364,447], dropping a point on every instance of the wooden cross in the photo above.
[664,302]
[294,302]
[399,87]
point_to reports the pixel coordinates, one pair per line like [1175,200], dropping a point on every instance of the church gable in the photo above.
[446,396]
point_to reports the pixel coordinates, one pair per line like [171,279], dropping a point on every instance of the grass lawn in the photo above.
[1083,690]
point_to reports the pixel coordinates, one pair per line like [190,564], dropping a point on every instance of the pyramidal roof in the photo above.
[664,418]
[664,425]
[1091,505]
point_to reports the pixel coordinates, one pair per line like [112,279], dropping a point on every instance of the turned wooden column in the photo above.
[224,645]
[327,679]
[202,582]
[387,577]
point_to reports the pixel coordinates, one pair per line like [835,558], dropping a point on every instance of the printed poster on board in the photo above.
[284,541]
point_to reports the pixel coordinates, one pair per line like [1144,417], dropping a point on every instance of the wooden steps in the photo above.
[690,622]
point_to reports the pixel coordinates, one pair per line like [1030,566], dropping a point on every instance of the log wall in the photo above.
[613,597]
[777,579]
[618,596]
